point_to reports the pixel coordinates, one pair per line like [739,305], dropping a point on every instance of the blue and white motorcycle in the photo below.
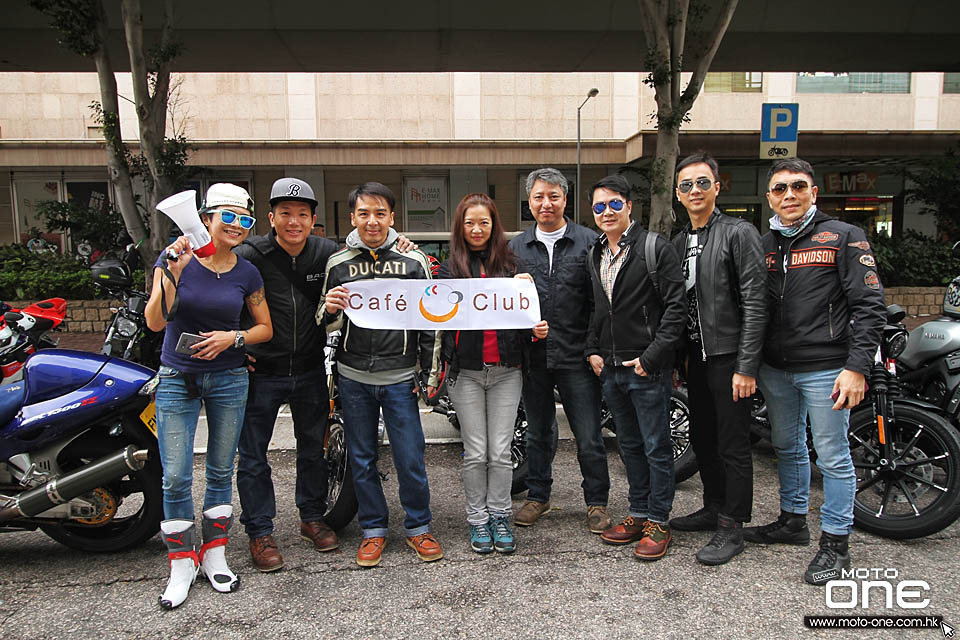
[78,451]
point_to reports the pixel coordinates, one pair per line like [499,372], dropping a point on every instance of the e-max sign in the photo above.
[855,587]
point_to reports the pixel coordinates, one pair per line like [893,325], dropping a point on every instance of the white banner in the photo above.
[468,303]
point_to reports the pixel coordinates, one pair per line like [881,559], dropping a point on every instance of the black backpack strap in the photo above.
[281,261]
[168,313]
[650,251]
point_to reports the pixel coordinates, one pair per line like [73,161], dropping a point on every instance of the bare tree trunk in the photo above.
[116,157]
[665,24]
[152,113]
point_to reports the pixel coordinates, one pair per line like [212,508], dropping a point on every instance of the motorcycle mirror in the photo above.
[895,313]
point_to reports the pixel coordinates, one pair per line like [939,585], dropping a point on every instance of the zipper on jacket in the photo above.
[613,340]
[404,342]
[646,323]
[346,333]
[703,345]
[783,288]
[293,298]
[830,319]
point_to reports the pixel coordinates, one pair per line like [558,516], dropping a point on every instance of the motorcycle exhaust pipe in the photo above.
[74,484]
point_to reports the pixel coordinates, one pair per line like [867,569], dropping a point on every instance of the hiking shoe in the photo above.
[368,555]
[703,519]
[598,519]
[789,528]
[503,540]
[427,547]
[530,512]
[833,555]
[653,545]
[266,557]
[725,543]
[627,531]
[480,539]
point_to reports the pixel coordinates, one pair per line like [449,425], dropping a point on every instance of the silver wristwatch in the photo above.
[238,341]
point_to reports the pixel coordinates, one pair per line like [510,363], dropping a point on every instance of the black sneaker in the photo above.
[725,544]
[834,555]
[789,528]
[703,519]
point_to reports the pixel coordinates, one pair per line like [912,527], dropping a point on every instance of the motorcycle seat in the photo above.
[11,399]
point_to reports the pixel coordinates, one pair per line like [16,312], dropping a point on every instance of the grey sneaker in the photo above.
[598,519]
[530,512]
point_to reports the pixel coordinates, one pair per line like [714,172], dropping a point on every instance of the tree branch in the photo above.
[677,24]
[706,60]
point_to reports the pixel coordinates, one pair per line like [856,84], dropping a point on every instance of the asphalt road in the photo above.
[561,583]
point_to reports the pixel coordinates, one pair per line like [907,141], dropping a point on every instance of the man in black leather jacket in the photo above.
[287,369]
[726,312]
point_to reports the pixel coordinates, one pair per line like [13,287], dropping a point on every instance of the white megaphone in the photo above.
[182,209]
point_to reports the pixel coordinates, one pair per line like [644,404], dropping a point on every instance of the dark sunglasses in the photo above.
[797,186]
[702,183]
[616,205]
[228,217]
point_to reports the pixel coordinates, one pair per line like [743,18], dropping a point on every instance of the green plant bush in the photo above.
[34,276]
[914,260]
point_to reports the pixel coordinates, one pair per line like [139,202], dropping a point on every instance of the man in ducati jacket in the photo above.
[635,328]
[726,312]
[826,318]
[377,369]
[288,368]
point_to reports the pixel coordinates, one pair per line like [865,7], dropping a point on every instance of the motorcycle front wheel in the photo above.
[918,492]
[130,509]
[341,495]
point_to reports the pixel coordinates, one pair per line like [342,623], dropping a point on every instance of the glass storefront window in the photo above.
[733,82]
[828,82]
[872,214]
[951,82]
[748,211]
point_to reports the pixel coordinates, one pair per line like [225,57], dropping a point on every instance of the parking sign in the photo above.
[778,130]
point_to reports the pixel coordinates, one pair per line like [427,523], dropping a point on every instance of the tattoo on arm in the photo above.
[255,299]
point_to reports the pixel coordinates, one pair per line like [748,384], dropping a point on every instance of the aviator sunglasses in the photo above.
[228,217]
[797,186]
[616,205]
[702,183]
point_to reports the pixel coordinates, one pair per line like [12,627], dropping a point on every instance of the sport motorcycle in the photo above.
[78,451]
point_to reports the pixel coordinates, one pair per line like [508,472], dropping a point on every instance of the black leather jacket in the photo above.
[297,343]
[565,293]
[731,289]
[826,307]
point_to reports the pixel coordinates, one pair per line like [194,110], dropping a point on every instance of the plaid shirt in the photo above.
[610,266]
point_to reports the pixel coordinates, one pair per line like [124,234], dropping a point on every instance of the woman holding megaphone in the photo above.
[200,288]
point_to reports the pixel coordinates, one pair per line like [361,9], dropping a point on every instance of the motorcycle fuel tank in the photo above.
[930,340]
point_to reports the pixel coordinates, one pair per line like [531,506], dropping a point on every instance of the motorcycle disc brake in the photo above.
[105,503]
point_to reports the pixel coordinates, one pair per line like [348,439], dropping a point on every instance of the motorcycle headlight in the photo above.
[149,386]
[126,327]
[896,343]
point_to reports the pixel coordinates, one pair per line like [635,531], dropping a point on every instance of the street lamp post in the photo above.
[576,196]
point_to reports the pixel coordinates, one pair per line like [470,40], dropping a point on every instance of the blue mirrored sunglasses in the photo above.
[229,217]
[616,205]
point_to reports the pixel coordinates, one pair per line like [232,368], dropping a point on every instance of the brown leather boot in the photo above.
[265,555]
[322,536]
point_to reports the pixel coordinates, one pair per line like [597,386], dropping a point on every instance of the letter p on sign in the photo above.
[779,118]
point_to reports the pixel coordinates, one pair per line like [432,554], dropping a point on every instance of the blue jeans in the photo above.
[580,397]
[641,411]
[224,395]
[362,404]
[790,398]
[307,395]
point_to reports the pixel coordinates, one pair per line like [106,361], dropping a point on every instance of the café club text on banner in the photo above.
[469,303]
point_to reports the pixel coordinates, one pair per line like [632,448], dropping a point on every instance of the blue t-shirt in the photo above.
[209,303]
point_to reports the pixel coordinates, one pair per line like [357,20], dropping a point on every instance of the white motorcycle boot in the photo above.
[184,563]
[213,561]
